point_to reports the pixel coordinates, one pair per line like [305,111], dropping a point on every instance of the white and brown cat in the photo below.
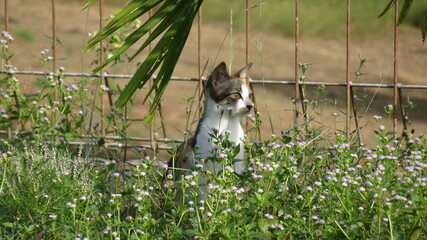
[227,101]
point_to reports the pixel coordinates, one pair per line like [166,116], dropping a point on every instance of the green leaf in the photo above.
[424,29]
[130,40]
[173,55]
[252,200]
[355,227]
[264,225]
[128,14]
[141,75]
[8,224]
[168,20]
[390,133]
[194,232]
[415,197]
[387,8]
[88,4]
[121,18]
[173,52]
[30,228]
[257,235]
[174,19]
[404,12]
[168,49]
[101,142]
[417,233]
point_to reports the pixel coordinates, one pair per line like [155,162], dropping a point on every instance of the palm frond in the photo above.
[403,13]
[174,18]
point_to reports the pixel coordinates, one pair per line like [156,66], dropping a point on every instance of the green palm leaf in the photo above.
[174,18]
[128,14]
[403,13]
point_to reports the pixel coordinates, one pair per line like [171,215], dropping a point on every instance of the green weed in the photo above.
[290,189]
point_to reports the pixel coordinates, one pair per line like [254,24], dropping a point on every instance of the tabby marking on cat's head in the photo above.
[230,92]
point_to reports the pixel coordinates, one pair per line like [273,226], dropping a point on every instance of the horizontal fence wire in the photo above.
[166,141]
[252,81]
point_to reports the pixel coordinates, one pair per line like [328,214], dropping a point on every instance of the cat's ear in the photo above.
[242,74]
[219,74]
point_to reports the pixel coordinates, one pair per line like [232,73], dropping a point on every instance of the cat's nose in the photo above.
[249,106]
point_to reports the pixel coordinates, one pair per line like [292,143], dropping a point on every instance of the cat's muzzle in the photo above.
[246,110]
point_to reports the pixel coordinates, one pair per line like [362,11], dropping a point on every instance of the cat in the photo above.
[227,101]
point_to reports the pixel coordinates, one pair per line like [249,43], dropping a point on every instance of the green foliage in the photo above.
[298,185]
[114,41]
[174,19]
[37,183]
[58,109]
[291,189]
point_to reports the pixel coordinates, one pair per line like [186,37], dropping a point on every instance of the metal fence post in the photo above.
[395,65]
[6,16]
[54,35]
[101,59]
[199,59]
[349,96]
[296,63]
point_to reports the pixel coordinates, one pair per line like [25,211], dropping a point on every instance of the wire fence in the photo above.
[299,95]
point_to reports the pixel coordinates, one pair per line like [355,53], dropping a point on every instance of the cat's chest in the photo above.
[207,129]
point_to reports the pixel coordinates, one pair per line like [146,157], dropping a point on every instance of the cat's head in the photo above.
[231,93]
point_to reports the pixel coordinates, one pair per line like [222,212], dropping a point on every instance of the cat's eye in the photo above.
[235,96]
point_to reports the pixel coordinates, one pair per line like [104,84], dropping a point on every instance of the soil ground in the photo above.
[273,57]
